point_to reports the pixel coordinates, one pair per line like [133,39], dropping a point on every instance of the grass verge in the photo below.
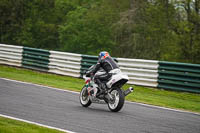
[14,126]
[171,99]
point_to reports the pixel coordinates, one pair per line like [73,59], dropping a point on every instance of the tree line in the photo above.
[147,29]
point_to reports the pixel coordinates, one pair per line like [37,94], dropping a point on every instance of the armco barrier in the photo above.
[35,58]
[179,76]
[65,63]
[165,75]
[140,72]
[10,55]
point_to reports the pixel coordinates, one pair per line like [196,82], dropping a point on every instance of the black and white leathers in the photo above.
[107,64]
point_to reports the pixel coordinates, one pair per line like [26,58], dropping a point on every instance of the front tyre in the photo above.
[117,103]
[84,97]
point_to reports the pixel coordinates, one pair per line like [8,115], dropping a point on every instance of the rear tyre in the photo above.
[84,97]
[118,100]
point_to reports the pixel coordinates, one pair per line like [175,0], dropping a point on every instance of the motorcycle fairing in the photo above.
[117,76]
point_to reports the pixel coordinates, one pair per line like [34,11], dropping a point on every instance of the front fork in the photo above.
[85,93]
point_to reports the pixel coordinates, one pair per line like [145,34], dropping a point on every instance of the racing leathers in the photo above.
[107,64]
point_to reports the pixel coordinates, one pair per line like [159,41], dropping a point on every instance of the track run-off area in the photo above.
[61,109]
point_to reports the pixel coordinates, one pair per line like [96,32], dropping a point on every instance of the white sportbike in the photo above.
[113,96]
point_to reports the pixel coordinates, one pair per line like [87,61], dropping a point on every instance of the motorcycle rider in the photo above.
[106,62]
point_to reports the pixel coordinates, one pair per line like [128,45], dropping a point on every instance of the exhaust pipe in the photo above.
[128,91]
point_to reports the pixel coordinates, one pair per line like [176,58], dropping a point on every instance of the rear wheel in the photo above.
[117,103]
[84,97]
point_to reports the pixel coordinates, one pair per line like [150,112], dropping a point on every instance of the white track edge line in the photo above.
[35,123]
[164,108]
[39,85]
[142,104]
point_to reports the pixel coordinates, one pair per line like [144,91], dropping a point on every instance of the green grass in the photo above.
[13,126]
[153,96]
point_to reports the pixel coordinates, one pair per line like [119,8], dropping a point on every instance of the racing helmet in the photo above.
[103,55]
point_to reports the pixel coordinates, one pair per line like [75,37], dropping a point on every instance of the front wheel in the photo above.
[84,97]
[117,103]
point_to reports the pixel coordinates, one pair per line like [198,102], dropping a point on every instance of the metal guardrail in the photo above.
[10,55]
[35,59]
[179,76]
[140,72]
[65,63]
[165,75]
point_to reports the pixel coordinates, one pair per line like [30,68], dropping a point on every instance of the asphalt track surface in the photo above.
[62,109]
